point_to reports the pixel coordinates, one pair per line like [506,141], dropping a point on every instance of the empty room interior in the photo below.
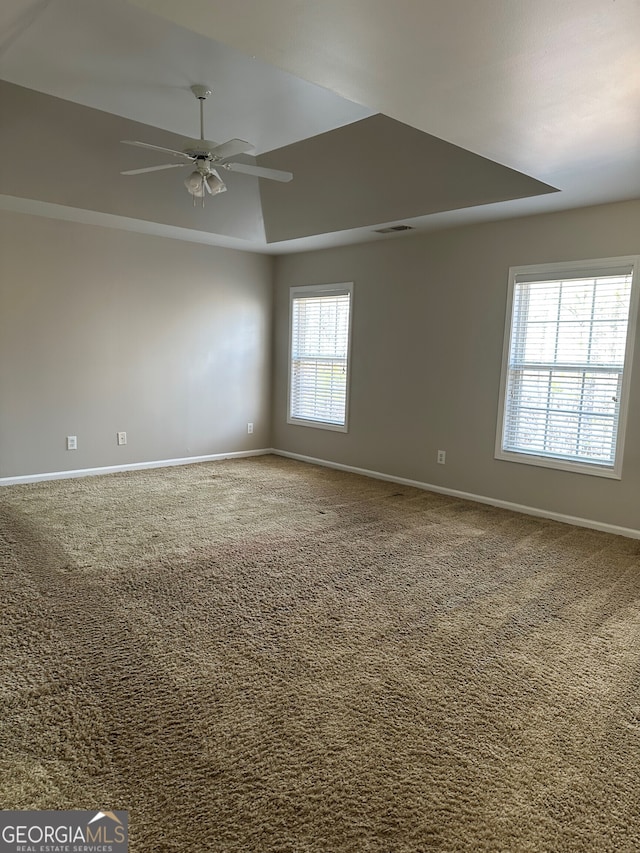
[320,425]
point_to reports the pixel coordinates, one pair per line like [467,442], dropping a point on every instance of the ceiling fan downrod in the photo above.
[201,93]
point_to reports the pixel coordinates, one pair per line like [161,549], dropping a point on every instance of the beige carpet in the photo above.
[259,655]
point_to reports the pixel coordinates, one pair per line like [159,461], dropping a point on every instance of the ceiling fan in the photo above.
[208,157]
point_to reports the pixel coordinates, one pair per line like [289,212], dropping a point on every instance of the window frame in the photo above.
[550,272]
[305,290]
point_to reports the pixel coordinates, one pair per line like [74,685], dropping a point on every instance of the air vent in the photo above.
[393,228]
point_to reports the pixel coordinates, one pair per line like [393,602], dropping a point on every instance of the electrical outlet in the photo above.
[249,428]
[72,442]
[442,457]
[121,437]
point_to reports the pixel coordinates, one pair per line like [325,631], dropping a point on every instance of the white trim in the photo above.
[575,269]
[318,424]
[337,289]
[559,464]
[539,272]
[133,466]
[630,532]
[340,288]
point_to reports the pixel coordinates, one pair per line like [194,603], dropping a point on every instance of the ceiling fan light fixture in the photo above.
[215,184]
[199,183]
[195,184]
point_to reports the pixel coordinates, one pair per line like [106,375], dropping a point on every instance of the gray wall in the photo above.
[428,325]
[104,330]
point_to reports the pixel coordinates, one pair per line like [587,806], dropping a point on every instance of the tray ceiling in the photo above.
[493,113]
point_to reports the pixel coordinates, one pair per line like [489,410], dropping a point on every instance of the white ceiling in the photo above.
[115,57]
[549,88]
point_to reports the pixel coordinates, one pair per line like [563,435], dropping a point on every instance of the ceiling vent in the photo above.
[393,228]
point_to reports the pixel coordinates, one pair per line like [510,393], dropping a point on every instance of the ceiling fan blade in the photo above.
[260,172]
[158,148]
[154,168]
[231,148]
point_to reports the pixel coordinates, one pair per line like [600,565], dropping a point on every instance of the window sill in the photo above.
[317,424]
[611,473]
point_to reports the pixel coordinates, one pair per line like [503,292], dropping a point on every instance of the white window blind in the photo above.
[320,324]
[563,381]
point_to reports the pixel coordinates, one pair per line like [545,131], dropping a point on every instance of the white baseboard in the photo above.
[629,532]
[133,466]
[526,510]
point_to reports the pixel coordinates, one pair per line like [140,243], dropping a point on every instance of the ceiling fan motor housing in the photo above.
[199,154]
[203,164]
[201,92]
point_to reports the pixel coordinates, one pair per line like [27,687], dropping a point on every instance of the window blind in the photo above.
[319,353]
[565,365]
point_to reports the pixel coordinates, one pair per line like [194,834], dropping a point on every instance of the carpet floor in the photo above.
[262,656]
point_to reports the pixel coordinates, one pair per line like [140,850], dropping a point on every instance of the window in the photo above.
[319,355]
[566,365]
